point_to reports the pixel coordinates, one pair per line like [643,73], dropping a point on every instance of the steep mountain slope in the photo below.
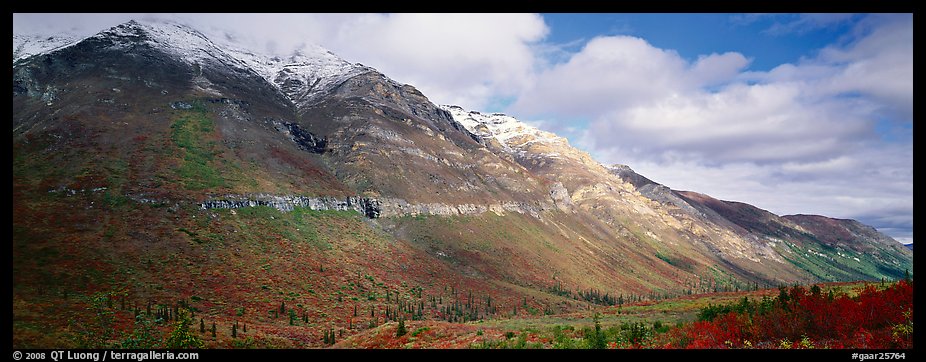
[656,232]
[120,142]
[735,237]
[829,249]
[854,240]
[151,161]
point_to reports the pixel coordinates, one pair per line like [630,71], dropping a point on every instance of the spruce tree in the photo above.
[213,329]
[599,339]
[401,330]
[202,326]
[235,330]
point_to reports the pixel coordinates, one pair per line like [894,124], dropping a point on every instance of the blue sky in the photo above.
[691,35]
[793,113]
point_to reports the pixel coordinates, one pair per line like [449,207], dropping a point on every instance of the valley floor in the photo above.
[697,321]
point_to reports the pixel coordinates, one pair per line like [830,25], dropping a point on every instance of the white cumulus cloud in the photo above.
[829,134]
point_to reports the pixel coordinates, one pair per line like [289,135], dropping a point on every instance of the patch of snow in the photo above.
[27,45]
[511,133]
[302,76]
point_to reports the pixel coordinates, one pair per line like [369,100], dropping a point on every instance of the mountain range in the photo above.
[151,160]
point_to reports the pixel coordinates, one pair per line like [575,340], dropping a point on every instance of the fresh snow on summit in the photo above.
[509,131]
[27,45]
[302,76]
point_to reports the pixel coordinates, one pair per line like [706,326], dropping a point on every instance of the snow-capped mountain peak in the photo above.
[184,41]
[302,76]
[513,134]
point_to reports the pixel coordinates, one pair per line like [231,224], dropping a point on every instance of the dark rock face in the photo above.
[20,86]
[305,139]
[371,207]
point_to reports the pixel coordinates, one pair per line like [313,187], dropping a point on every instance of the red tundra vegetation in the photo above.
[800,318]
